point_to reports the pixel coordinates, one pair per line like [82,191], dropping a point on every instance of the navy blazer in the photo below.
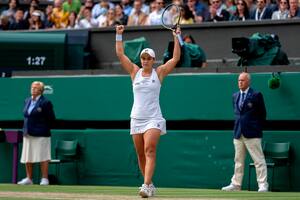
[41,118]
[250,118]
[266,15]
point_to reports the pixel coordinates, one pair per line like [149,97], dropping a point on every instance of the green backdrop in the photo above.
[197,158]
[183,97]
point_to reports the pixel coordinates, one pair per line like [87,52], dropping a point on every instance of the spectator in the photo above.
[189,39]
[217,11]
[4,23]
[283,12]
[38,119]
[87,21]
[145,8]
[110,19]
[242,12]
[154,17]
[152,6]
[10,12]
[195,49]
[72,20]
[59,17]
[126,4]
[89,4]
[294,9]
[72,6]
[251,5]
[47,22]
[187,16]
[120,17]
[262,11]
[230,6]
[19,23]
[36,23]
[198,9]
[101,8]
[34,5]
[138,17]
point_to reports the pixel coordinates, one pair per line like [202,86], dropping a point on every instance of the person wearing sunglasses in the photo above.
[283,11]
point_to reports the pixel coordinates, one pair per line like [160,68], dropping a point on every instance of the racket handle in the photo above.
[180,39]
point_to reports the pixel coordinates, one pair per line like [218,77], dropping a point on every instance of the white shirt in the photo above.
[146,92]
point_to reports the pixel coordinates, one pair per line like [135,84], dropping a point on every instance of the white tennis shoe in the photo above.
[44,181]
[25,181]
[145,191]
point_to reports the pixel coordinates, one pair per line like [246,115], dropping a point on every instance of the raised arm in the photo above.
[166,68]
[130,67]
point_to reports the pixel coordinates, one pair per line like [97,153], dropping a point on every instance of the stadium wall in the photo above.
[198,159]
[183,96]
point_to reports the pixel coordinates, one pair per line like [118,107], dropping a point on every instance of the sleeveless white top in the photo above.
[146,92]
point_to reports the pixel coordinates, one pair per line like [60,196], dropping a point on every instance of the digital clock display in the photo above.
[36,60]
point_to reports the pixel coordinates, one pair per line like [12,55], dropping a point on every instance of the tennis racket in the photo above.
[170,19]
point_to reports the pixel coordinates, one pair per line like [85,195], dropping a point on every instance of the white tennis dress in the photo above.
[146,112]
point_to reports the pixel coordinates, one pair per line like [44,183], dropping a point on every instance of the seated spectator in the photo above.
[88,4]
[230,6]
[10,12]
[192,54]
[188,39]
[87,21]
[59,17]
[242,12]
[138,17]
[47,22]
[72,20]
[34,5]
[4,23]
[198,9]
[152,6]
[101,8]
[294,9]
[218,11]
[251,5]
[120,17]
[262,11]
[110,19]
[154,17]
[127,7]
[187,16]
[283,11]
[19,23]
[36,22]
[72,6]
[145,8]
[201,60]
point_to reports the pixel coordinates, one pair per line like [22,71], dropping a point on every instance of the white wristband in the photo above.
[118,37]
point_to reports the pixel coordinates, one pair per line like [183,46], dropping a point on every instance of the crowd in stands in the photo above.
[104,13]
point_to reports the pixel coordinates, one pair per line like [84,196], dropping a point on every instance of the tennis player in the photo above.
[147,123]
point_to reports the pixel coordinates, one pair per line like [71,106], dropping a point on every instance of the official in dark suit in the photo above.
[38,119]
[250,114]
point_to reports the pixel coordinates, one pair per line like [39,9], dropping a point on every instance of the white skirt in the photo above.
[36,149]
[140,126]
